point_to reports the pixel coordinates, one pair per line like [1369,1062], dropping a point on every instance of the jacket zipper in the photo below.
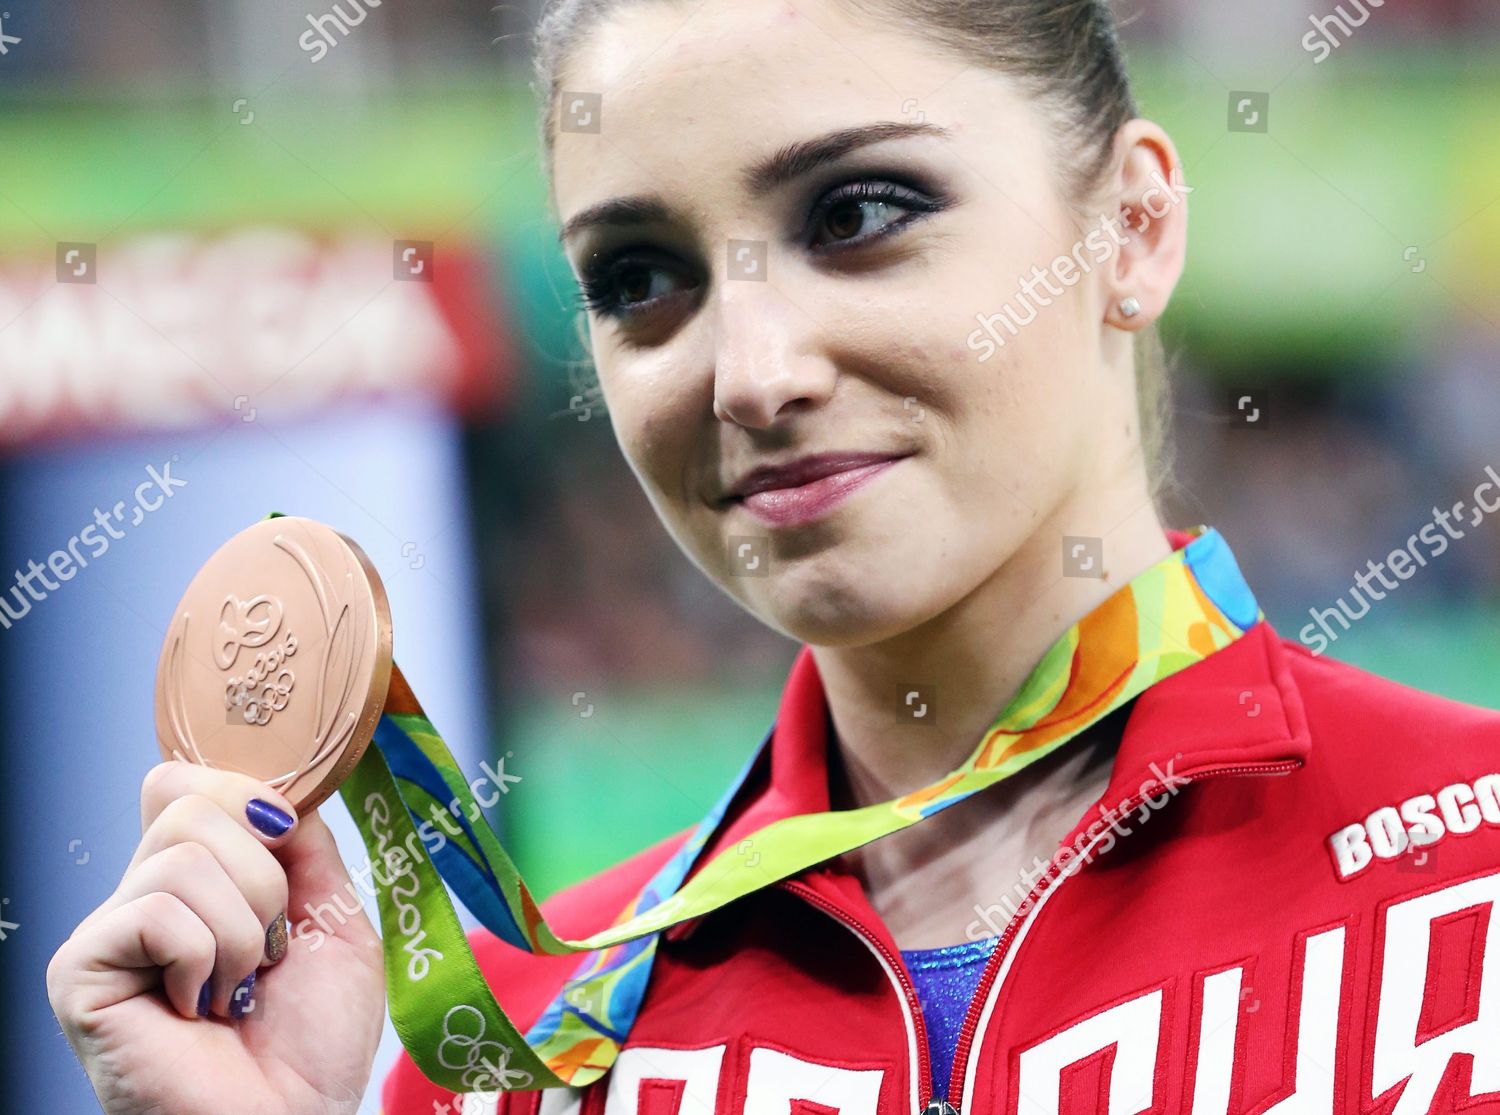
[895,969]
[992,966]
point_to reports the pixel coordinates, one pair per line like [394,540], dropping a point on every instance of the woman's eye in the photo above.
[624,287]
[865,210]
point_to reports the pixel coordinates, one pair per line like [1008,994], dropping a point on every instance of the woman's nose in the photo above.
[766,355]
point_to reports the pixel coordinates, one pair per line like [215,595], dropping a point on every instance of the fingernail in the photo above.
[242,999]
[267,818]
[276,939]
[204,993]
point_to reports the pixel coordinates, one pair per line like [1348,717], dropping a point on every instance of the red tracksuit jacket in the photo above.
[1305,924]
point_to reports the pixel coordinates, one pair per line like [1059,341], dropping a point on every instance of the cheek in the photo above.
[654,421]
[1009,432]
[658,460]
[665,439]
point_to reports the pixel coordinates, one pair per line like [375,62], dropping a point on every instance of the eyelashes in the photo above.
[855,197]
[627,283]
[599,287]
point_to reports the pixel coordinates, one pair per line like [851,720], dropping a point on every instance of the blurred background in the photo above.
[318,275]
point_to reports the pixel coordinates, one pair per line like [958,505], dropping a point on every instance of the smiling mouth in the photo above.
[800,504]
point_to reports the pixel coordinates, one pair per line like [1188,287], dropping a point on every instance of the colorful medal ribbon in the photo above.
[419,820]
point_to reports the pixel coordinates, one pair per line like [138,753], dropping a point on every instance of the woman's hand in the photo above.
[146,987]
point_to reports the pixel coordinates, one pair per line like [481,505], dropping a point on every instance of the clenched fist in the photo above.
[184,992]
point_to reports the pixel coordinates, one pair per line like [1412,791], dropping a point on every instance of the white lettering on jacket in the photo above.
[777,1080]
[1134,1026]
[1317,1026]
[1403,1056]
[1417,822]
[1403,986]
[688,1077]
[687,1082]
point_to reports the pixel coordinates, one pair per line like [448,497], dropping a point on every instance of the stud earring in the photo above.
[1129,307]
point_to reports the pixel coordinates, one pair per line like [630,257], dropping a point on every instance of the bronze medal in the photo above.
[278,660]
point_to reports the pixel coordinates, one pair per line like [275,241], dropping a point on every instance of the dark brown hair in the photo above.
[1064,53]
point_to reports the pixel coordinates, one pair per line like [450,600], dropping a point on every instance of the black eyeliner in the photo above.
[597,276]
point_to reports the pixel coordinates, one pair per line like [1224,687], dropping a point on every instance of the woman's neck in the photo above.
[965,871]
[965,666]
[909,710]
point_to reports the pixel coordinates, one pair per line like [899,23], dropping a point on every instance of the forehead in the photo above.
[688,90]
[703,40]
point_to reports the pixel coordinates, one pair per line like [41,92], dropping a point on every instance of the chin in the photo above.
[843,613]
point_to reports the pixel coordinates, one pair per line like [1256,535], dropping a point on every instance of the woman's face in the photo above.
[768,297]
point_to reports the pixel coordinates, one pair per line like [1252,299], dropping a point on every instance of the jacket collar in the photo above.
[1237,711]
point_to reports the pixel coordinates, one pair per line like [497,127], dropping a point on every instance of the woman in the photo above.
[871,286]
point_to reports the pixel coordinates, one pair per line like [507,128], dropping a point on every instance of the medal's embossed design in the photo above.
[265,689]
[345,646]
[245,623]
[278,659]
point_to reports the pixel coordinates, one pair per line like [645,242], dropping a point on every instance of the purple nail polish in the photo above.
[267,818]
[243,999]
[204,993]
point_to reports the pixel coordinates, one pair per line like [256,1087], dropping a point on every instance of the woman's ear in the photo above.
[1150,199]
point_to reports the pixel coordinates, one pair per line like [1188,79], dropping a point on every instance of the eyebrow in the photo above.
[783,165]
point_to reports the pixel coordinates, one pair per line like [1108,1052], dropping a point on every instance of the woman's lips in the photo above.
[785,507]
